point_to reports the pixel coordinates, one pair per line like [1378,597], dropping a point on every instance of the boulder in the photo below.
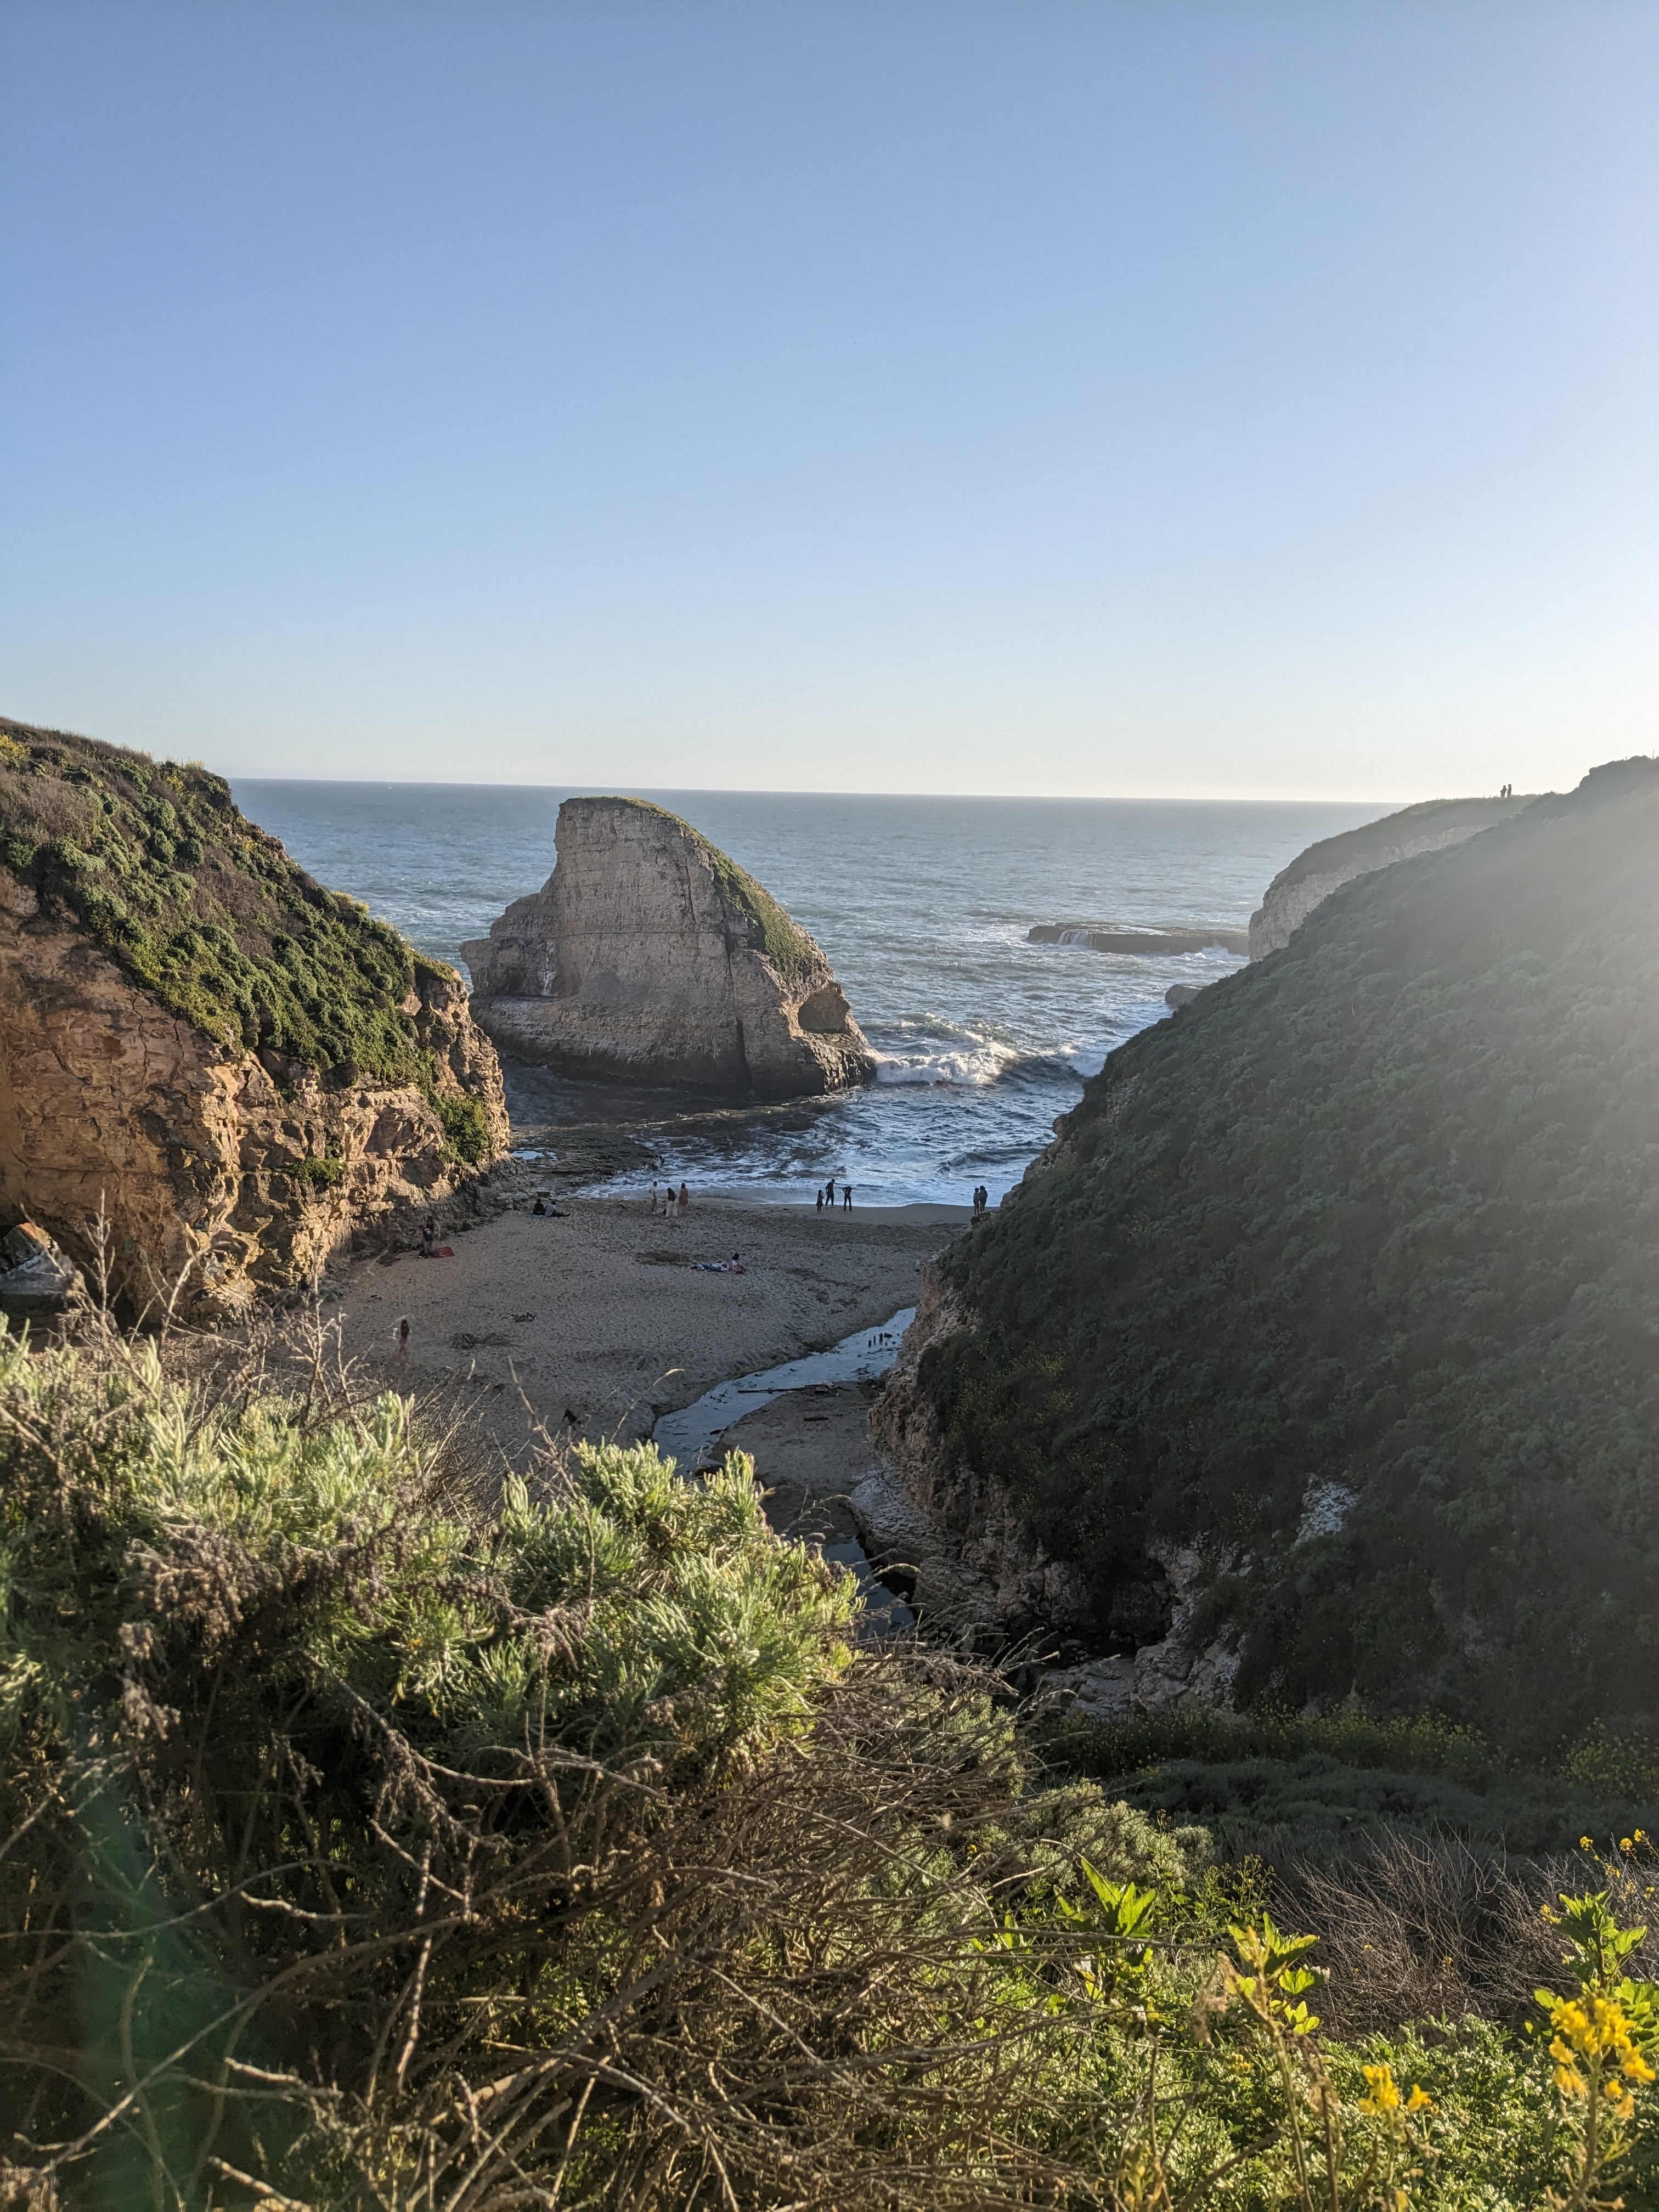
[649,955]
[36,1277]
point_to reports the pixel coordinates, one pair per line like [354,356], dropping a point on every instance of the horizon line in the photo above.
[770,791]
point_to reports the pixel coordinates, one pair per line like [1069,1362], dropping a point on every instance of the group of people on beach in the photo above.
[673,1202]
[827,1196]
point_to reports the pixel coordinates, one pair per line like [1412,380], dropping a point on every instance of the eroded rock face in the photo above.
[649,955]
[977,1564]
[979,1569]
[1311,877]
[221,1171]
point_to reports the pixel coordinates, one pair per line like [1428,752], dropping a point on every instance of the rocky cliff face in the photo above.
[1311,877]
[977,1564]
[649,955]
[328,1075]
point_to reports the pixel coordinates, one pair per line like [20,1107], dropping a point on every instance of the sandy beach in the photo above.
[600,1320]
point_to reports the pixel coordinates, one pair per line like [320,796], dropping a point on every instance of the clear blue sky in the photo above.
[1230,399]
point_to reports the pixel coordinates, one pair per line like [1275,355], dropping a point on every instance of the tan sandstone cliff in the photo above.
[649,955]
[222,1165]
[1311,877]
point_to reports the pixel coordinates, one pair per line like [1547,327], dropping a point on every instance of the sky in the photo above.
[1122,398]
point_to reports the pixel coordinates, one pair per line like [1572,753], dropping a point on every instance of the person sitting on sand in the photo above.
[734,1266]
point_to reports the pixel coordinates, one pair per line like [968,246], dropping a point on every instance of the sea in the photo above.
[924,907]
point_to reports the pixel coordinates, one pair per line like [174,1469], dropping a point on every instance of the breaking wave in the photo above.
[975,1065]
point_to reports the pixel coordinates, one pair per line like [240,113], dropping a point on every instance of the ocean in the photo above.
[923,907]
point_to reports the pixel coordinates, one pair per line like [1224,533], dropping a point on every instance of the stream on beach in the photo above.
[689,1435]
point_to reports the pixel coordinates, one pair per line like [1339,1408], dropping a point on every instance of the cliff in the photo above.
[236,1066]
[1311,877]
[1318,1348]
[649,954]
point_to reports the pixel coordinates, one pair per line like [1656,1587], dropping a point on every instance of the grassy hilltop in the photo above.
[1380,1212]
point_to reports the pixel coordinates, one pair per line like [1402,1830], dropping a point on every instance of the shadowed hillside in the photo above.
[1362,1249]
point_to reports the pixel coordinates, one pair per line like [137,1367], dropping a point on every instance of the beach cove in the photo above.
[599,1313]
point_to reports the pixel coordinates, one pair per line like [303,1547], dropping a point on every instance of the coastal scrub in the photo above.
[375,1837]
[1371,1221]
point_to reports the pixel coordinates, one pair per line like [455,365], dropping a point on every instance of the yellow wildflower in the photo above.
[1382,2090]
[1383,2094]
[1593,2036]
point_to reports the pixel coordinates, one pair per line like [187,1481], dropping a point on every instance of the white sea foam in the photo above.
[974,1066]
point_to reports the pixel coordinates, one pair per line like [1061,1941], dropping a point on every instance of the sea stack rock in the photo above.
[1428,827]
[234,1067]
[651,957]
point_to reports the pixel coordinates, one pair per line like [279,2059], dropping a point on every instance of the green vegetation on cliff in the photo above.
[771,930]
[1357,851]
[1373,1225]
[208,912]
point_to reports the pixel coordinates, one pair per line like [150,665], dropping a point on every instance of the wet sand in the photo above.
[599,1319]
[809,1449]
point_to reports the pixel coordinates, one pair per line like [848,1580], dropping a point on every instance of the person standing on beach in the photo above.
[685,1199]
[847,1197]
[820,1204]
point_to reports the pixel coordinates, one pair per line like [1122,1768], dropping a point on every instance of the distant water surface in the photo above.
[922,906]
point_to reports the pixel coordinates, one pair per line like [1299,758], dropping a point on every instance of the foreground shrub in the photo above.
[368,1837]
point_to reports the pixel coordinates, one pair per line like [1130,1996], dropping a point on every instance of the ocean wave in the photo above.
[976,1066]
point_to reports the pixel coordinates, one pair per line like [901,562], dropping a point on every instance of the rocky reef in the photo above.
[650,956]
[1311,877]
[1201,940]
[233,1067]
[1313,1360]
